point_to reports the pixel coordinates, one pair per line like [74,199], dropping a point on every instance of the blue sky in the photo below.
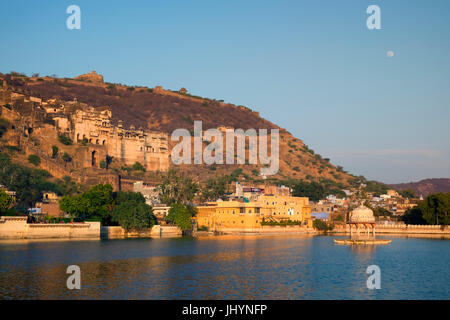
[311,67]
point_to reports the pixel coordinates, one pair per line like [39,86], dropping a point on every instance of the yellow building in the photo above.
[241,215]
[287,208]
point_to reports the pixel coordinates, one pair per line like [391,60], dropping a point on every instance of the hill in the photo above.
[425,187]
[165,110]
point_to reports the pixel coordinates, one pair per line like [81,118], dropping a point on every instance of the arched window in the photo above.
[93,162]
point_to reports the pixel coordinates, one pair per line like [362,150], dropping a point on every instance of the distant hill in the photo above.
[165,110]
[425,187]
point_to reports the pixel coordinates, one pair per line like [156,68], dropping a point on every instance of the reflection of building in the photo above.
[237,214]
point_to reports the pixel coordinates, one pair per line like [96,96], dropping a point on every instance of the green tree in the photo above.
[103,164]
[34,159]
[413,216]
[179,215]
[96,203]
[138,167]
[27,183]
[214,188]
[65,140]
[322,225]
[313,190]
[379,212]
[408,193]
[120,197]
[5,202]
[4,125]
[436,209]
[176,188]
[66,157]
[55,150]
[132,215]
[76,206]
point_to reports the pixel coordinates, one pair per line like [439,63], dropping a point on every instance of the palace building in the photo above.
[132,145]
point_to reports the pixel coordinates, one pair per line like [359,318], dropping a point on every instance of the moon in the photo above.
[390,54]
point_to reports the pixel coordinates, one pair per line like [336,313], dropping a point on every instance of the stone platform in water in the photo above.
[362,241]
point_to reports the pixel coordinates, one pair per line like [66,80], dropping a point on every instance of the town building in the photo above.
[150,192]
[245,215]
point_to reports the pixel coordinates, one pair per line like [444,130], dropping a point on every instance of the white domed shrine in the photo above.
[362,214]
[362,218]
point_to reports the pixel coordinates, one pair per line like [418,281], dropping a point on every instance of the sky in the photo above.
[311,67]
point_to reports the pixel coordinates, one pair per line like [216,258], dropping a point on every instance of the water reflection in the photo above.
[231,267]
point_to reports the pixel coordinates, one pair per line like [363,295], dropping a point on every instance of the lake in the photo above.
[225,267]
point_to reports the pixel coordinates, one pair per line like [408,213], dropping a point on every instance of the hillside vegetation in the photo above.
[164,110]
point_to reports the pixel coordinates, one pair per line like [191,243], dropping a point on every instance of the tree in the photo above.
[408,193]
[27,183]
[413,216]
[55,150]
[214,188]
[4,124]
[76,206]
[436,208]
[433,210]
[138,167]
[34,159]
[5,202]
[313,190]
[96,203]
[380,212]
[65,140]
[132,215]
[176,188]
[103,164]
[66,157]
[122,197]
[179,215]
[321,225]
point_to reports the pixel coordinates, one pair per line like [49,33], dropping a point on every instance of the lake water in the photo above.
[225,267]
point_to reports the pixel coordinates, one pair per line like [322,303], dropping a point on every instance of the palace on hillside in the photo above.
[93,129]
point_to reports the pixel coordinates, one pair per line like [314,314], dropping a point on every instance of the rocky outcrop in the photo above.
[91,77]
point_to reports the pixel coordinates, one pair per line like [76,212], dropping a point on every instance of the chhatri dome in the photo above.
[361,219]
[361,214]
